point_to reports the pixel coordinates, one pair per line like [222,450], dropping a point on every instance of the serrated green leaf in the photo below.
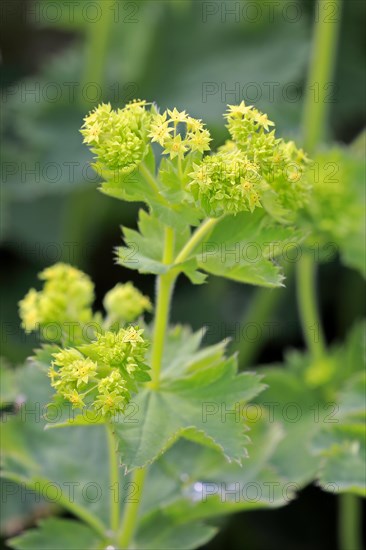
[342,446]
[130,187]
[343,457]
[144,250]
[196,401]
[199,484]
[243,248]
[197,390]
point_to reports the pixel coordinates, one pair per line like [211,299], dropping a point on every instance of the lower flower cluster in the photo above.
[103,374]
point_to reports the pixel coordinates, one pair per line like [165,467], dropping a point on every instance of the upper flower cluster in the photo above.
[249,167]
[225,183]
[118,138]
[254,169]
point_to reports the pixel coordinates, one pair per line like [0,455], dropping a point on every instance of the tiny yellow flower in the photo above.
[238,110]
[133,336]
[194,124]
[177,116]
[161,132]
[75,399]
[262,120]
[176,147]
[199,141]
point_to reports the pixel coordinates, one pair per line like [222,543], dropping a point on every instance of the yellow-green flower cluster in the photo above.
[179,134]
[103,374]
[119,139]
[124,303]
[280,164]
[66,297]
[253,163]
[226,182]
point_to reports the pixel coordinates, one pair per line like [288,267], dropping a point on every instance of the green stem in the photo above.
[165,286]
[308,306]
[114,478]
[196,238]
[149,178]
[98,34]
[315,115]
[350,522]
[132,508]
[320,73]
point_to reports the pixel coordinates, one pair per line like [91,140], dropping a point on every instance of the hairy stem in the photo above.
[196,238]
[321,69]
[132,508]
[165,285]
[164,291]
[149,178]
[350,522]
[113,478]
[320,74]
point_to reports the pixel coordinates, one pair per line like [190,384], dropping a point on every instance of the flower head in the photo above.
[249,166]
[119,138]
[225,183]
[101,375]
[125,303]
[65,298]
[179,134]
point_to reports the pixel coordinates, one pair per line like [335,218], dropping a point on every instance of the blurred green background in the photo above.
[60,59]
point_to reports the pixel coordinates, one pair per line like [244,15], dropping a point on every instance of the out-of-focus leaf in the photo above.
[20,507]
[58,534]
[8,384]
[336,210]
[321,406]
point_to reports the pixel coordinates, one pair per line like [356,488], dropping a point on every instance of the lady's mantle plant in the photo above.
[152,388]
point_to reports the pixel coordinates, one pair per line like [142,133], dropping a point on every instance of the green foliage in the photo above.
[31,457]
[231,213]
[323,416]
